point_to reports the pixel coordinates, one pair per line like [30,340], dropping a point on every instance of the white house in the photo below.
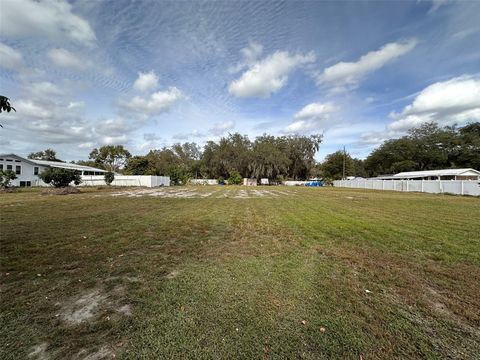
[27,170]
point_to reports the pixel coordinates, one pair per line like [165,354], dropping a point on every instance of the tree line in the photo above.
[427,147]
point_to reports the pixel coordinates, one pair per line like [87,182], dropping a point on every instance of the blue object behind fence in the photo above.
[314,183]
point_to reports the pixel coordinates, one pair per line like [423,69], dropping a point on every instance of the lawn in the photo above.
[237,273]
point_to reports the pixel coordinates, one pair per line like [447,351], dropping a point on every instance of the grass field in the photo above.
[230,273]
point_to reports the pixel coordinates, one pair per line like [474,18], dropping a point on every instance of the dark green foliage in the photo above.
[6,176]
[109,177]
[267,157]
[333,165]
[179,174]
[5,105]
[235,178]
[47,154]
[427,147]
[60,177]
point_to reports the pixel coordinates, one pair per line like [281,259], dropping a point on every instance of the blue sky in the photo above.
[147,74]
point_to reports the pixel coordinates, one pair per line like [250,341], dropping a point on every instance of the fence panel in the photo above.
[467,187]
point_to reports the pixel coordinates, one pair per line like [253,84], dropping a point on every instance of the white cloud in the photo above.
[347,75]
[222,127]
[48,18]
[312,117]
[154,104]
[146,81]
[456,101]
[250,54]
[315,111]
[10,58]
[67,59]
[269,75]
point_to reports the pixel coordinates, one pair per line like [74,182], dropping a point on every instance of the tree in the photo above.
[109,177]
[6,176]
[269,159]
[60,177]
[333,165]
[47,154]
[301,152]
[113,158]
[427,147]
[5,105]
[138,165]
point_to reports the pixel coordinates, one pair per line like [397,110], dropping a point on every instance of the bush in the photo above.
[60,177]
[6,176]
[179,175]
[235,178]
[109,177]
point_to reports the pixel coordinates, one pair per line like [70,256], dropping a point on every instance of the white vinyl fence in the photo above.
[204,181]
[467,187]
[127,180]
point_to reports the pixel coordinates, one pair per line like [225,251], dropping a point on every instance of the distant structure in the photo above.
[249,182]
[446,174]
[28,170]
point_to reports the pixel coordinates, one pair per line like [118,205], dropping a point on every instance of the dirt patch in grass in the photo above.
[39,352]
[93,304]
[61,191]
[103,353]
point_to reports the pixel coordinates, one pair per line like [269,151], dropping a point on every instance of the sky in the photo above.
[147,74]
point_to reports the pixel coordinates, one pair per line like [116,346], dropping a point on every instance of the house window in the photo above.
[25,183]
[1,167]
[35,170]
[17,161]
[18,170]
[9,167]
[9,160]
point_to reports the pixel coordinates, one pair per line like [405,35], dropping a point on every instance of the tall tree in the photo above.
[112,158]
[47,154]
[333,165]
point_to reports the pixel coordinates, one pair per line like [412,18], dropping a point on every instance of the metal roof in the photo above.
[64,165]
[444,172]
[57,164]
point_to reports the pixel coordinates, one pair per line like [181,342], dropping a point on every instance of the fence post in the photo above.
[407,185]
[461,183]
[422,186]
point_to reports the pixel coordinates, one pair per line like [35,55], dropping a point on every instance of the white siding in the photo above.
[26,170]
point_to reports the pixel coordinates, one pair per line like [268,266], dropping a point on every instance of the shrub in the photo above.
[60,177]
[221,180]
[179,175]
[109,177]
[235,178]
[6,176]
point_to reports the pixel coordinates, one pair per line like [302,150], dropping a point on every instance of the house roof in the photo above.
[444,172]
[57,164]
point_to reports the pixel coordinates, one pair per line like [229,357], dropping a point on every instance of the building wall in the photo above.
[26,171]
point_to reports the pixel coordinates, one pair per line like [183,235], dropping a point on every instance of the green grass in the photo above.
[256,278]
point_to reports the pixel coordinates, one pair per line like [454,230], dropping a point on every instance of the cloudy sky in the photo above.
[147,74]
